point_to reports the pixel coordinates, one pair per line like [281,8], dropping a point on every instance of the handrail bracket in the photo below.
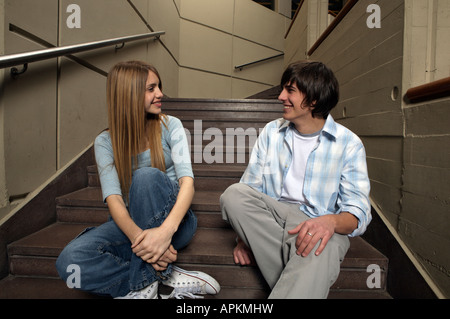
[15,72]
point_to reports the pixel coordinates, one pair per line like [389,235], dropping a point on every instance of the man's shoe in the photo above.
[189,283]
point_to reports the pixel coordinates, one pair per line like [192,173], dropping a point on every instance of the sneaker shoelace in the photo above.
[182,292]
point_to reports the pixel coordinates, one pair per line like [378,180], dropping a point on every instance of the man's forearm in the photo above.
[345,223]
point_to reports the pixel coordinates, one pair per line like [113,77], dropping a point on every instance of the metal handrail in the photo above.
[240,67]
[39,55]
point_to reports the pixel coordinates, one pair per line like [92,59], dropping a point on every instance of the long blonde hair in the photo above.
[127,119]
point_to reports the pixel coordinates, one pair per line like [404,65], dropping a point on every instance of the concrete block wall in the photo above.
[406,143]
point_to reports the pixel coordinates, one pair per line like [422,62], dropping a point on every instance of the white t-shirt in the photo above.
[302,145]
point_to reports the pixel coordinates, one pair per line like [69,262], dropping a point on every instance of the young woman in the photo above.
[146,177]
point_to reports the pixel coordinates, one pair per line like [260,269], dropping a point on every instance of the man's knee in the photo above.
[229,200]
[233,195]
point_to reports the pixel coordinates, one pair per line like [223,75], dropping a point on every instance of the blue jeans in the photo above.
[107,265]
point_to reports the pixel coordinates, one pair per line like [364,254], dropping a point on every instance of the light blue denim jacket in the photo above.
[336,178]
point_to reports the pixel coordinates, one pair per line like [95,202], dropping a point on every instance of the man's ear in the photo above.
[313,104]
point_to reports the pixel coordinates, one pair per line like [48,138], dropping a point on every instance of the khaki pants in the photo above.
[263,223]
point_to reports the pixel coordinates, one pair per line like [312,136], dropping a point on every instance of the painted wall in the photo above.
[425,215]
[54,110]
[406,143]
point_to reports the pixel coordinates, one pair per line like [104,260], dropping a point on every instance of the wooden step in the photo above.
[14,287]
[214,178]
[210,250]
[92,197]
[207,177]
[47,242]
[197,106]
[32,259]
[86,206]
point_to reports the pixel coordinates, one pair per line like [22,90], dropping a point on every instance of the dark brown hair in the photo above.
[317,82]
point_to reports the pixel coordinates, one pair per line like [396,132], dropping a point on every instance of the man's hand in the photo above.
[310,232]
[322,228]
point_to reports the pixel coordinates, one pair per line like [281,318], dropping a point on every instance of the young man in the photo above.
[304,192]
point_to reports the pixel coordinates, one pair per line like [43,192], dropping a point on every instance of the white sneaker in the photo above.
[149,292]
[188,283]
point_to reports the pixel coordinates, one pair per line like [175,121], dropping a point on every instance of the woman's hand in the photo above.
[170,256]
[151,244]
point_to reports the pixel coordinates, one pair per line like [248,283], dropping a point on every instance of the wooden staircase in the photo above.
[32,258]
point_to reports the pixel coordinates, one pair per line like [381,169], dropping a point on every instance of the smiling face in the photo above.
[153,94]
[293,101]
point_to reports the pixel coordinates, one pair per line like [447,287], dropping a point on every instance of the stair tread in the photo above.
[219,170]
[213,105]
[209,246]
[92,197]
[209,201]
[48,242]
[88,196]
[52,239]
[13,287]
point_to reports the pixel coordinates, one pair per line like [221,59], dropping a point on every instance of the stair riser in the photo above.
[231,106]
[210,183]
[188,115]
[66,214]
[74,214]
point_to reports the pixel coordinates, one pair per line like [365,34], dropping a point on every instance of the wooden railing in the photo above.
[347,7]
[429,91]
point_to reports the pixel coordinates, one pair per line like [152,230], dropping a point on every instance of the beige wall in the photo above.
[4,202]
[405,143]
[311,22]
[29,102]
[53,111]
[216,36]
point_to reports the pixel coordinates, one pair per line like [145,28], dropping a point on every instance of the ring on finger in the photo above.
[308,233]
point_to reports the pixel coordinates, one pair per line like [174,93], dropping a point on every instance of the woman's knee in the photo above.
[145,174]
[149,181]
[74,253]
[65,260]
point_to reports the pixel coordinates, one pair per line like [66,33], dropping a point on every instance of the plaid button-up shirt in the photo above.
[336,178]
